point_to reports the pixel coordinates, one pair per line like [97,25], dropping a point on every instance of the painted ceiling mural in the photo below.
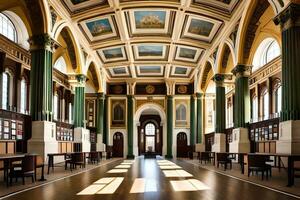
[143,38]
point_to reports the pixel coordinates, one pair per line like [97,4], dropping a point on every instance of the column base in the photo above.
[100,146]
[200,147]
[131,157]
[43,139]
[240,141]
[82,135]
[289,137]
[219,143]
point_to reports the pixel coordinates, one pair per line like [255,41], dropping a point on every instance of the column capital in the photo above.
[289,17]
[219,79]
[100,95]
[42,41]
[242,70]
[199,95]
[81,79]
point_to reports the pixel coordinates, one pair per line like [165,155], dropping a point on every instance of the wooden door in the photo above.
[182,148]
[118,145]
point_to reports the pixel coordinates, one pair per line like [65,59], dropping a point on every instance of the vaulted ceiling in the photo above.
[154,40]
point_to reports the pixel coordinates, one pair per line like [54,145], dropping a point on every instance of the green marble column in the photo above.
[130,126]
[169,126]
[79,103]
[242,96]
[220,103]
[105,138]
[41,78]
[100,113]
[192,121]
[199,117]
[289,20]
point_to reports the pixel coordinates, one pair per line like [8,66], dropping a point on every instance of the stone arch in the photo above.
[225,51]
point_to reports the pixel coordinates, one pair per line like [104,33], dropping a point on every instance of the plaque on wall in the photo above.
[182,89]
[150,89]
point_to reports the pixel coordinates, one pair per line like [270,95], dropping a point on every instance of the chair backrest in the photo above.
[256,160]
[1,165]
[39,161]
[77,157]
[28,163]
[204,155]
[222,156]
[94,155]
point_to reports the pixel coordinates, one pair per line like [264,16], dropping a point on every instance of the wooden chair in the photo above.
[39,163]
[77,159]
[94,157]
[27,169]
[204,156]
[258,164]
[222,159]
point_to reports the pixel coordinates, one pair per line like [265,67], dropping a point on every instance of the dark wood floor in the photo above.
[220,186]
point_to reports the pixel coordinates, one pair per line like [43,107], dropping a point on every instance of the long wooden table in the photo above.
[291,161]
[52,155]
[8,158]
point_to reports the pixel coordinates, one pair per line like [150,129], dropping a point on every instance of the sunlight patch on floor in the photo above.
[176,173]
[188,185]
[116,171]
[170,167]
[123,167]
[103,186]
[142,185]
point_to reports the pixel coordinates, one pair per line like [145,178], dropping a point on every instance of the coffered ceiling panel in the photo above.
[150,70]
[201,28]
[222,5]
[74,6]
[150,51]
[113,54]
[99,28]
[119,72]
[181,71]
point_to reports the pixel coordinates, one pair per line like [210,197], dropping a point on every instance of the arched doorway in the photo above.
[145,114]
[118,144]
[182,145]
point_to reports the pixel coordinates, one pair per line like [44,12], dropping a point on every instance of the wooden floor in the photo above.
[145,179]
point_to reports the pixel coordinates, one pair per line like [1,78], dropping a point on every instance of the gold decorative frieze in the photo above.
[266,71]
[140,102]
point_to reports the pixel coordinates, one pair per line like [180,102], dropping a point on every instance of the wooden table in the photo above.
[8,158]
[51,159]
[291,160]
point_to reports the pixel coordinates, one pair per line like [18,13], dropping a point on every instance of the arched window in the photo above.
[268,50]
[254,109]
[7,28]
[118,113]
[181,113]
[60,65]
[277,95]
[55,107]
[23,95]
[265,105]
[70,113]
[229,113]
[5,90]
[150,129]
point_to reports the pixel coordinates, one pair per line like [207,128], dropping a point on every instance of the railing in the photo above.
[15,52]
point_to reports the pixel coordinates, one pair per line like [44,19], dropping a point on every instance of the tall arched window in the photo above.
[181,113]
[229,113]
[277,95]
[150,129]
[7,28]
[268,50]
[265,105]
[55,107]
[70,112]
[60,65]
[254,109]
[23,96]
[5,90]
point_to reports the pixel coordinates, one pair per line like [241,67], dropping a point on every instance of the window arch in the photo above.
[5,90]
[181,113]
[118,113]
[150,129]
[23,96]
[7,28]
[268,50]
[60,65]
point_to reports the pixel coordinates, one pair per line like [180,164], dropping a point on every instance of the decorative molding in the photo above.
[141,102]
[242,70]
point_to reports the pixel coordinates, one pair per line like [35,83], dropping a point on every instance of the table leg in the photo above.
[50,162]
[290,171]
[42,176]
